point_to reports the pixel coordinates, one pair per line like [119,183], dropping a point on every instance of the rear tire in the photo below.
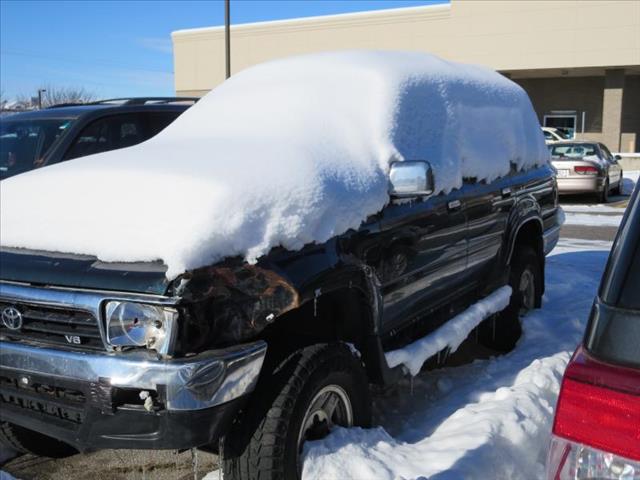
[24,440]
[503,330]
[289,406]
[603,196]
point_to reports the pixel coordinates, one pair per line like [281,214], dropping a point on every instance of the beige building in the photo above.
[578,60]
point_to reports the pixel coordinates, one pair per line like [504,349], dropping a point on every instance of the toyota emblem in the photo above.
[11,318]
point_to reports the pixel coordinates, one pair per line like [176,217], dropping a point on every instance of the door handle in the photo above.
[454,205]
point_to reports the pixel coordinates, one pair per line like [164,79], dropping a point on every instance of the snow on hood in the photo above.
[285,153]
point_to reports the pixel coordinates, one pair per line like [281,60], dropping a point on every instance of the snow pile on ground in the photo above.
[450,335]
[489,419]
[287,153]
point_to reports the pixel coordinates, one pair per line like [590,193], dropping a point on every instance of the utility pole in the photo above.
[40,92]
[227,38]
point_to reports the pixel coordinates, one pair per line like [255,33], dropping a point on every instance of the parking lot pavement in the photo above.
[115,465]
[595,221]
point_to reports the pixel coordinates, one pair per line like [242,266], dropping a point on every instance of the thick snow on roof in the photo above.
[285,153]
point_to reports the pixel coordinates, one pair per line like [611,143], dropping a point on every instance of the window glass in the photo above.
[547,135]
[109,133]
[24,144]
[157,121]
[630,296]
[606,152]
[564,125]
[573,150]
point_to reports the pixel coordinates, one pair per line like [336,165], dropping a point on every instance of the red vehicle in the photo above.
[596,431]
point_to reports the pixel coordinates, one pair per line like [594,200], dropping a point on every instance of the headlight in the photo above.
[138,324]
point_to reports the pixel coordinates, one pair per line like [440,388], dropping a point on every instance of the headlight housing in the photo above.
[133,324]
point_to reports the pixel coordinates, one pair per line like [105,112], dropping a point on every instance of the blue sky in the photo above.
[123,48]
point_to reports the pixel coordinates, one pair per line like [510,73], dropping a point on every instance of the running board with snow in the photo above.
[450,335]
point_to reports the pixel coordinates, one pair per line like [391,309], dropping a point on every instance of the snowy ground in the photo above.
[488,419]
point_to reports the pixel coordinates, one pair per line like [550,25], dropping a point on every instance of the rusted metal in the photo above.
[238,299]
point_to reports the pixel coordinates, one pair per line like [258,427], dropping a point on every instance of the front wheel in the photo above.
[27,441]
[304,398]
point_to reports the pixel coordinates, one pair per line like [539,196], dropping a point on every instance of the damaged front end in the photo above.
[229,303]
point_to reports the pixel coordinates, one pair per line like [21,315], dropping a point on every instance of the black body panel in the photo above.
[43,268]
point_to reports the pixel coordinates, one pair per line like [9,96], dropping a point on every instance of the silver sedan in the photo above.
[586,167]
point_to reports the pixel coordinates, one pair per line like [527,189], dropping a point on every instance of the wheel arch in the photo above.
[529,232]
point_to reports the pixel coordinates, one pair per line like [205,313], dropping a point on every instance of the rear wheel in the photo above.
[603,196]
[304,398]
[502,331]
[27,441]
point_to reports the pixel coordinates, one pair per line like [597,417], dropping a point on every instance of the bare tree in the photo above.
[53,95]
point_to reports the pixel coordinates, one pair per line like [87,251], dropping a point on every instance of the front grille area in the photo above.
[49,325]
[65,405]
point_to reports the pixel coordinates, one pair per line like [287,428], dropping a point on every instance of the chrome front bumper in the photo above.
[194,383]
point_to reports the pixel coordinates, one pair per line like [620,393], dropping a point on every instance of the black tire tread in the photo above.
[261,457]
[508,324]
[26,441]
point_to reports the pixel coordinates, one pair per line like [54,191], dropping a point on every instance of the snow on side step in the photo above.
[451,334]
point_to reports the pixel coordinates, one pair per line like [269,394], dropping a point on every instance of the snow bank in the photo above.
[286,153]
[490,419]
[451,334]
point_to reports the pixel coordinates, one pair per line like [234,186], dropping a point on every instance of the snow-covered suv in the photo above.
[249,272]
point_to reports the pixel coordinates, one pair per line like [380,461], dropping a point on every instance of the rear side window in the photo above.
[108,133]
[630,292]
[157,121]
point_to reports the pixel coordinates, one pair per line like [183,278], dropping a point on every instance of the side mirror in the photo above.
[617,157]
[410,178]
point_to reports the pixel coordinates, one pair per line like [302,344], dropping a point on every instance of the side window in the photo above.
[104,134]
[94,138]
[606,152]
[157,121]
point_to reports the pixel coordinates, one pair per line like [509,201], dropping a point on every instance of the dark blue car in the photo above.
[43,137]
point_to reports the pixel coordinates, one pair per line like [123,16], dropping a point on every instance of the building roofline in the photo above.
[434,8]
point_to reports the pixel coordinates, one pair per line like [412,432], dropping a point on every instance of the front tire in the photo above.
[502,331]
[24,440]
[304,397]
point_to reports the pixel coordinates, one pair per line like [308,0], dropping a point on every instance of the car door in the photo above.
[424,255]
[487,209]
[614,169]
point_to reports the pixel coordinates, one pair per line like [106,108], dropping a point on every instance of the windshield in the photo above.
[24,143]
[573,150]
